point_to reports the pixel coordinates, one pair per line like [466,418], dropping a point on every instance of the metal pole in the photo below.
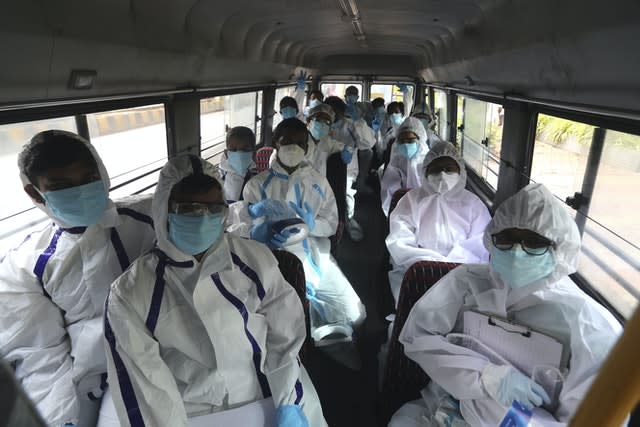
[83,126]
[268,101]
[590,175]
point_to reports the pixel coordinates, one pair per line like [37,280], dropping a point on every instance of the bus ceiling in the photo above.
[578,51]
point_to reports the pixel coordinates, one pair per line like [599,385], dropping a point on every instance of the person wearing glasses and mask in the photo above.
[291,188]
[405,164]
[438,221]
[205,322]
[534,246]
[238,166]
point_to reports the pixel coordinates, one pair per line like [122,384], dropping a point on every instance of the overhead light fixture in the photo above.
[350,10]
[82,79]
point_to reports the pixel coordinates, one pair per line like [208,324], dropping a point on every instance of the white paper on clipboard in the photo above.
[522,347]
[259,414]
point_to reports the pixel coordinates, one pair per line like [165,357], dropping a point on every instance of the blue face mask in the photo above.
[518,269]
[380,111]
[288,112]
[351,99]
[79,206]
[240,160]
[195,234]
[408,150]
[337,124]
[314,103]
[319,130]
[397,118]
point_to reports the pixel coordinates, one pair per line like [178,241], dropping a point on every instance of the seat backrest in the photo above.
[403,378]
[292,271]
[262,158]
[386,156]
[396,198]
[337,177]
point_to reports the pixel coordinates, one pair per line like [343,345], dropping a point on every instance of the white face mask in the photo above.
[443,181]
[290,155]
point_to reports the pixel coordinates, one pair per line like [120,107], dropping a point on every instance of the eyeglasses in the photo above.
[407,141]
[325,121]
[532,246]
[197,209]
[445,168]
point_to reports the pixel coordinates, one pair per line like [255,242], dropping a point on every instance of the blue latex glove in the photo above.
[346,156]
[505,384]
[278,239]
[301,80]
[404,88]
[305,213]
[375,125]
[290,416]
[268,207]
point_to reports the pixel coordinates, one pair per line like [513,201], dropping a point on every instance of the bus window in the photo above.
[610,255]
[221,113]
[440,111]
[481,137]
[141,133]
[18,215]
[390,93]
[338,88]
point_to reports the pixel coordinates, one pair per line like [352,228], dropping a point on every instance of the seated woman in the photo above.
[439,221]
[291,188]
[534,245]
[404,169]
[205,322]
[239,166]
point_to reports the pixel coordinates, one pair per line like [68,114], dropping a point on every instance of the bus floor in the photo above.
[349,397]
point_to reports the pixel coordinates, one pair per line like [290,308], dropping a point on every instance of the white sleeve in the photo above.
[286,333]
[143,388]
[455,368]
[402,241]
[472,250]
[391,182]
[34,340]
[407,100]
[299,96]
[365,136]
[327,213]
[239,222]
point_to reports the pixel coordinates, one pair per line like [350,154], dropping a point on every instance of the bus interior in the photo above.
[543,91]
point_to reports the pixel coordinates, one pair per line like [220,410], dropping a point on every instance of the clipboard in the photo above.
[520,345]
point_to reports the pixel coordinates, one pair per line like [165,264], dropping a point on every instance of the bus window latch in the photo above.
[577,201]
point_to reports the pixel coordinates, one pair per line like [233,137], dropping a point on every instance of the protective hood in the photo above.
[445,149]
[322,108]
[173,172]
[411,124]
[103,175]
[535,208]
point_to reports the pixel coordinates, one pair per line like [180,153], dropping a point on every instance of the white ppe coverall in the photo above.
[332,299]
[232,181]
[187,338]
[429,226]
[402,172]
[553,305]
[52,293]
[359,136]
[318,152]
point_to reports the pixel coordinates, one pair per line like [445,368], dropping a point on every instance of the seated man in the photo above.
[205,322]
[316,97]
[53,286]
[405,164]
[289,108]
[534,245]
[321,145]
[239,166]
[389,130]
[291,182]
[439,221]
[423,113]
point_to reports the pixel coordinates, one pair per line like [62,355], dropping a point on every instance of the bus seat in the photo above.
[403,378]
[387,304]
[262,158]
[337,177]
[291,268]
[386,156]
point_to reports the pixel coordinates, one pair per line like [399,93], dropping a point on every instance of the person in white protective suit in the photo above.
[439,221]
[355,135]
[205,322]
[423,113]
[534,245]
[53,286]
[238,167]
[405,165]
[320,144]
[291,188]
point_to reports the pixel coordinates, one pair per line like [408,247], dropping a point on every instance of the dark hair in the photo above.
[243,133]
[351,89]
[392,106]
[378,102]
[336,103]
[317,93]
[288,125]
[198,183]
[53,149]
[288,101]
